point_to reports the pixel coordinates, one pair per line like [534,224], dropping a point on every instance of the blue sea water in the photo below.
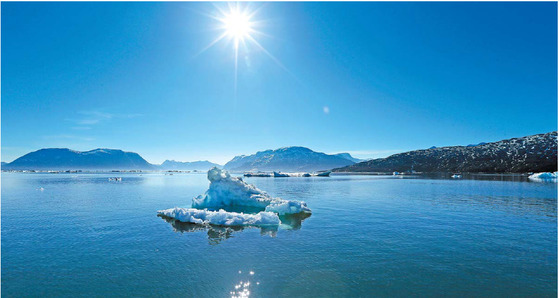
[82,235]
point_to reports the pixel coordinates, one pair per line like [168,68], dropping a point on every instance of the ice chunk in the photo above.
[282,207]
[216,234]
[221,217]
[231,193]
[543,176]
[230,201]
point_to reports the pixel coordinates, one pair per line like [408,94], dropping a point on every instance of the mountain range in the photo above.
[536,153]
[348,157]
[288,159]
[202,165]
[97,159]
[66,159]
[283,159]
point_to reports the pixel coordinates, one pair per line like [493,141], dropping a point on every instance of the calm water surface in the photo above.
[81,235]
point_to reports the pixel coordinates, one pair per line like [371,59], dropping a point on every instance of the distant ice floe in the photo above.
[230,201]
[546,176]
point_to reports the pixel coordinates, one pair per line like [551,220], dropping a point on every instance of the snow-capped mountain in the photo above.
[288,159]
[66,159]
[537,153]
[202,165]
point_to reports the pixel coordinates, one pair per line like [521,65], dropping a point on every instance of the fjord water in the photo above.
[82,235]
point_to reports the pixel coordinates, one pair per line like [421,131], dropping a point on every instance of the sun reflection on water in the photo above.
[242,288]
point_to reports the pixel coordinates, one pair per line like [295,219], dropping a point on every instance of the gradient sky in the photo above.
[371,79]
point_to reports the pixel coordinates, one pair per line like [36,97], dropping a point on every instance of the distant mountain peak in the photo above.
[348,157]
[201,165]
[67,159]
[298,148]
[287,159]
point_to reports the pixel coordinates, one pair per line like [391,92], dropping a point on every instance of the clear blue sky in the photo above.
[371,79]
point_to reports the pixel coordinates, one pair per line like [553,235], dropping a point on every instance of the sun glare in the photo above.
[237,25]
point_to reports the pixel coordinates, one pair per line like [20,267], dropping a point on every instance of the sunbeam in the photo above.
[239,28]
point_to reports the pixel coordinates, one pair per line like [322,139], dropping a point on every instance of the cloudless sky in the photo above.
[371,79]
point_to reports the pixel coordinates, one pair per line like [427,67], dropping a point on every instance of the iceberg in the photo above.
[543,176]
[217,233]
[226,192]
[230,201]
[221,217]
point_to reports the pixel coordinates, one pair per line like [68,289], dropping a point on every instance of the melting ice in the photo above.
[543,176]
[221,217]
[227,194]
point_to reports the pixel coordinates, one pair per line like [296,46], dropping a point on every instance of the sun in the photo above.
[240,26]
[237,25]
[235,21]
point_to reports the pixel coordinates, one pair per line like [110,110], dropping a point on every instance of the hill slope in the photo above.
[287,159]
[203,165]
[66,159]
[348,157]
[537,153]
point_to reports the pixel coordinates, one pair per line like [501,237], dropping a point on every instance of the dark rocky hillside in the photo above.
[537,153]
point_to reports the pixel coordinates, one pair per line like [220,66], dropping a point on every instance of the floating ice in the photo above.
[217,233]
[230,201]
[221,217]
[284,207]
[228,192]
[543,176]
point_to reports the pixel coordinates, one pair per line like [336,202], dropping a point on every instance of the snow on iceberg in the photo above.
[230,201]
[228,192]
[221,217]
[543,176]
[217,233]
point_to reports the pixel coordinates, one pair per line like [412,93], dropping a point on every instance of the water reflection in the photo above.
[543,180]
[293,221]
[543,208]
[443,176]
[468,176]
[217,234]
[242,289]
